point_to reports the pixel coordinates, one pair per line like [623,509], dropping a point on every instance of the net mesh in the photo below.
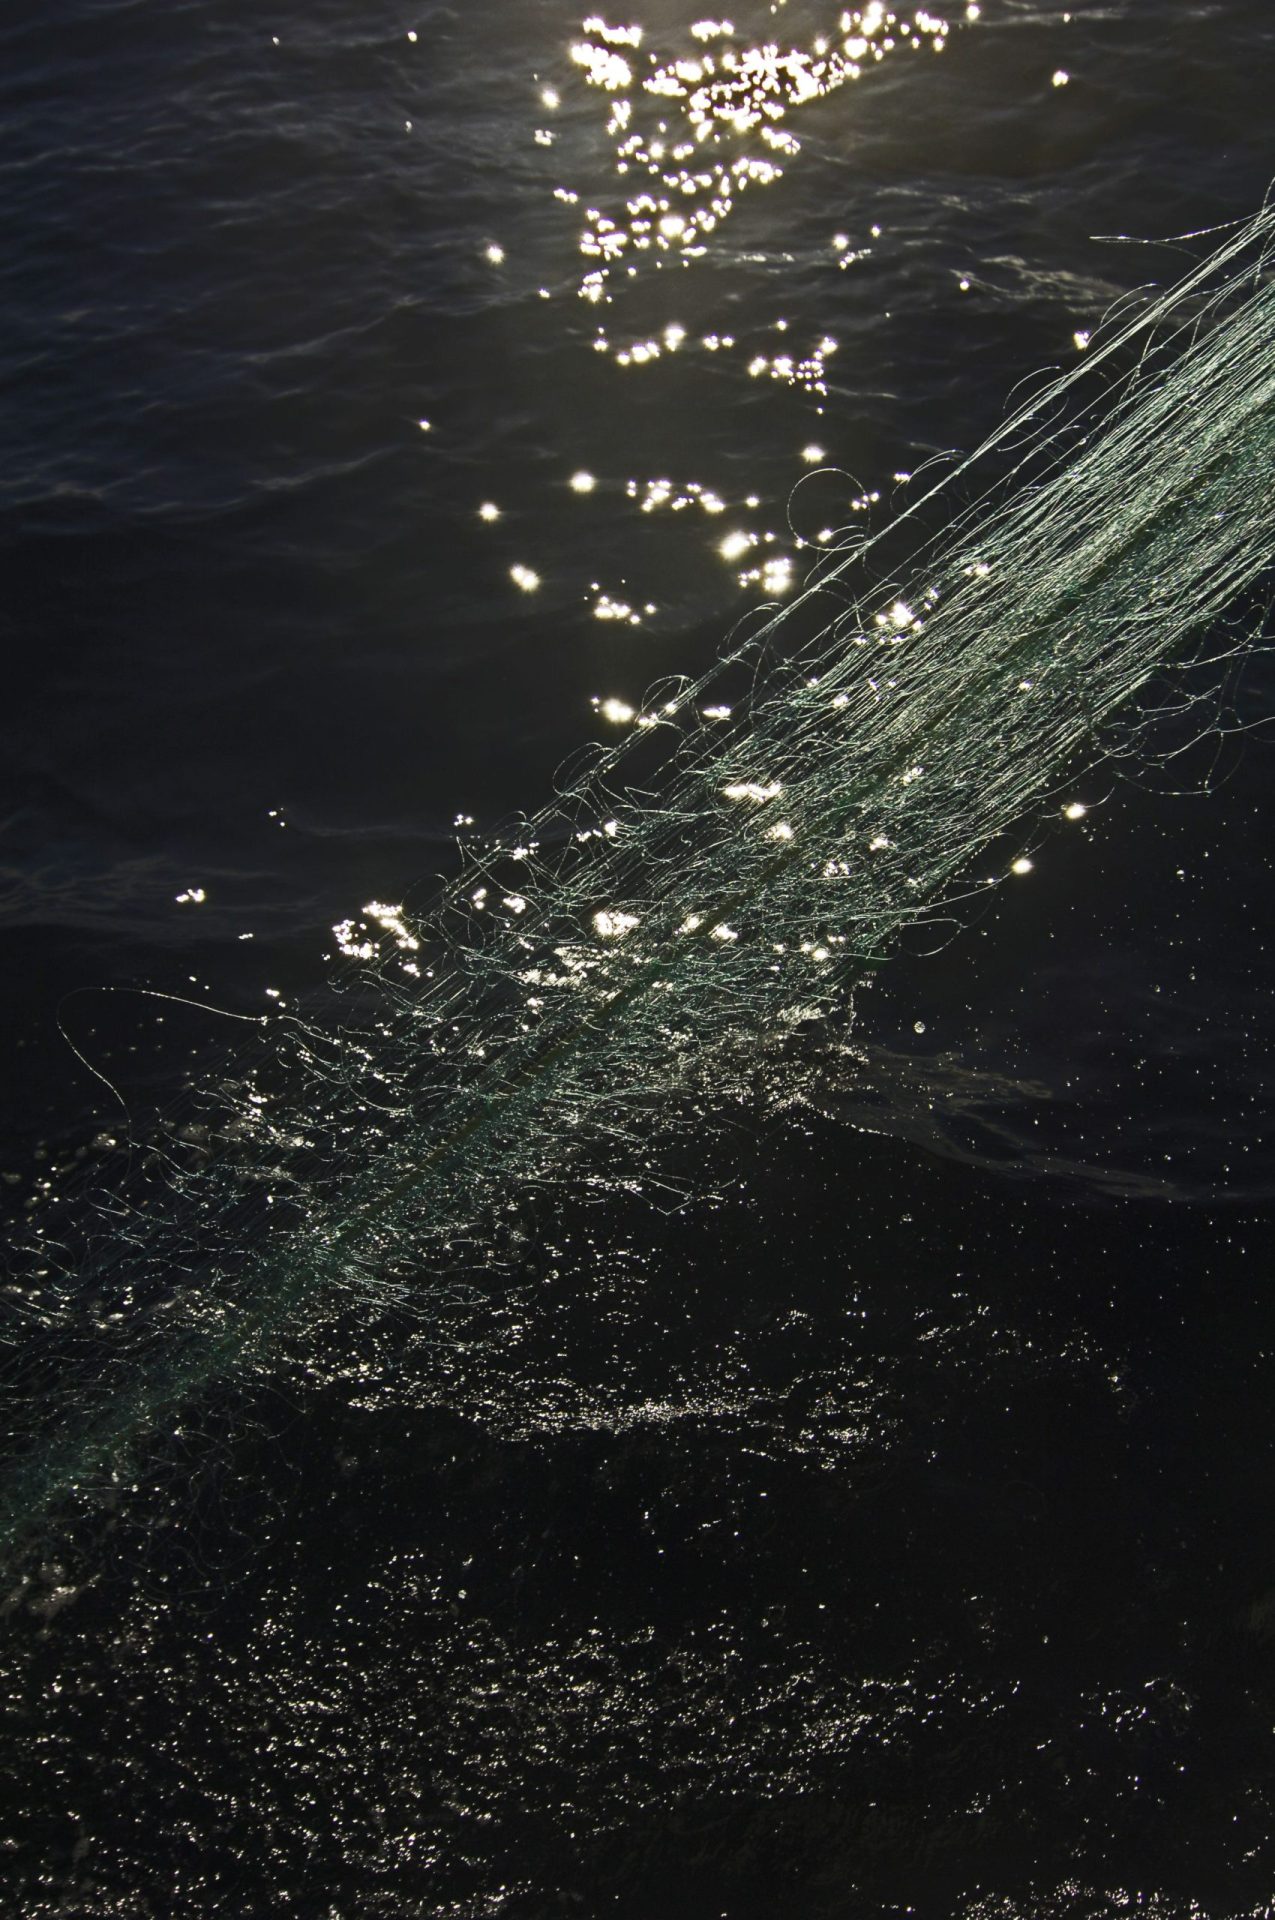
[695,902]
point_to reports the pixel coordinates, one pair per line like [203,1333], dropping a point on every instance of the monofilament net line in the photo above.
[706,889]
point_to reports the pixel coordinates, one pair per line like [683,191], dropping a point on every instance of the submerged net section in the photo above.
[694,901]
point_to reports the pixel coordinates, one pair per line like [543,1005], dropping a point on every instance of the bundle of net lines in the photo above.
[693,899]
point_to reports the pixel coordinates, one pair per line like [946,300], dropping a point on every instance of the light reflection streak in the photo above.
[704,127]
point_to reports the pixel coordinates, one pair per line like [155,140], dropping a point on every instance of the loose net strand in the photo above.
[695,899]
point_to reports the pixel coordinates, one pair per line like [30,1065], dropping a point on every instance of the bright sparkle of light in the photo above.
[754,790]
[612,925]
[525,577]
[812,455]
[489,511]
[1022,865]
[582,482]
[495,254]
[711,128]
[1076,811]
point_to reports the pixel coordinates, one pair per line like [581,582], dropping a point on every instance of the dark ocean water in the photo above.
[890,1531]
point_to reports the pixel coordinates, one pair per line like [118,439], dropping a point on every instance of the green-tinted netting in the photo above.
[694,902]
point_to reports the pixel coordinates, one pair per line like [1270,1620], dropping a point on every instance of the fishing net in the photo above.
[693,909]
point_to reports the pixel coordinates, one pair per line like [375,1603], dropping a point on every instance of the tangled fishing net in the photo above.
[695,902]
